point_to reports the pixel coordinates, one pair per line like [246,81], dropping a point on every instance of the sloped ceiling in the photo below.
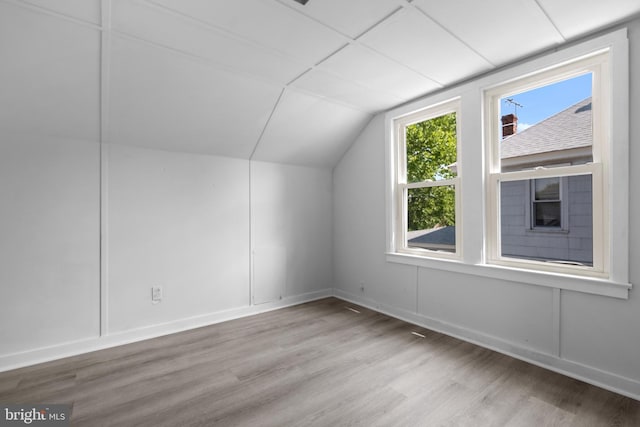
[269,80]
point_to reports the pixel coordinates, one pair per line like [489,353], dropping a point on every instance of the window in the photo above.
[568,124]
[427,177]
[546,203]
[543,200]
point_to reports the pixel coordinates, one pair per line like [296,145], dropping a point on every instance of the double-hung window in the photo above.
[546,203]
[544,180]
[427,182]
[567,214]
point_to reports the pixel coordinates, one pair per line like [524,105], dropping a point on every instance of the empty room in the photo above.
[319,213]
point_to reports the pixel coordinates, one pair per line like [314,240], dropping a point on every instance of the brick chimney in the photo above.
[509,125]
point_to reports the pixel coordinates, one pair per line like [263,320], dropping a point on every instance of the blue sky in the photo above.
[538,104]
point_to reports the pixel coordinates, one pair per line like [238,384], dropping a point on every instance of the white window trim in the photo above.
[472,190]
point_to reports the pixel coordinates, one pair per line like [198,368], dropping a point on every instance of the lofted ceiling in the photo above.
[270,80]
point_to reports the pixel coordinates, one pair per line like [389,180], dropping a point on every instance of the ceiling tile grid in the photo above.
[84,10]
[49,78]
[500,31]
[177,32]
[270,23]
[413,39]
[349,92]
[576,17]
[308,130]
[363,65]
[352,17]
[162,100]
[219,77]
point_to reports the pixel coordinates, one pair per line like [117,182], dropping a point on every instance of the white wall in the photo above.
[603,332]
[592,337]
[291,210]
[180,221]
[94,212]
[359,227]
[177,220]
[49,244]
[49,180]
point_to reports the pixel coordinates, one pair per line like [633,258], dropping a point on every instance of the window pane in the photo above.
[547,189]
[431,149]
[547,126]
[431,218]
[547,214]
[556,231]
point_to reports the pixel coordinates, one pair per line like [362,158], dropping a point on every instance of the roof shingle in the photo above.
[570,128]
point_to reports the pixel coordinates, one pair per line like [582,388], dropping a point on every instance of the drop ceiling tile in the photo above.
[351,17]
[576,17]
[499,31]
[163,100]
[413,39]
[168,29]
[326,85]
[266,22]
[309,131]
[85,10]
[50,75]
[370,69]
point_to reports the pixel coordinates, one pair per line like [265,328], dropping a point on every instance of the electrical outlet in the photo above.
[156,294]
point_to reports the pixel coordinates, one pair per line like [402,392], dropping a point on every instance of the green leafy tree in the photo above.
[431,150]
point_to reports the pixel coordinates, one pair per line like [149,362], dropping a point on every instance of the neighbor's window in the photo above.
[546,154]
[427,175]
[546,203]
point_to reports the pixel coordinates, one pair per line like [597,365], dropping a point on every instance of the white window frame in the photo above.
[598,65]
[402,186]
[474,257]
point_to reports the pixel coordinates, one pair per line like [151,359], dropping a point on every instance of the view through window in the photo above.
[430,189]
[547,218]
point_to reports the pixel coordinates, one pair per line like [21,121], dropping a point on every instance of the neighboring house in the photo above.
[542,219]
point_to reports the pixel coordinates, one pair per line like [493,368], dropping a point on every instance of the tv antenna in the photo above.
[515,105]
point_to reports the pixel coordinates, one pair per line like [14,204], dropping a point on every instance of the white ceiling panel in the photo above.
[351,17]
[85,10]
[307,130]
[522,26]
[413,39]
[266,22]
[203,76]
[163,100]
[576,17]
[167,29]
[364,66]
[327,85]
[50,75]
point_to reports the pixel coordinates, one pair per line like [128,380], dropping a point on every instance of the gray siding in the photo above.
[573,243]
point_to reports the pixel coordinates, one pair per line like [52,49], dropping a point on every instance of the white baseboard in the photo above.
[588,374]
[606,380]
[47,354]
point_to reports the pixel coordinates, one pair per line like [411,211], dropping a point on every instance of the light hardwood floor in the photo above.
[315,364]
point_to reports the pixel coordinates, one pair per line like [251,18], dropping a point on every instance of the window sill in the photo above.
[568,282]
[548,230]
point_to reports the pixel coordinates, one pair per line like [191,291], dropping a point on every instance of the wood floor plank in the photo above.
[325,363]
